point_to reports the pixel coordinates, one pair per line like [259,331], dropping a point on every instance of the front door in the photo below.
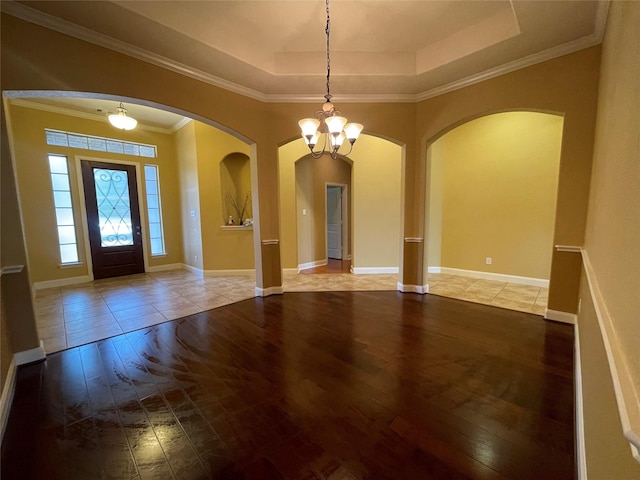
[113,218]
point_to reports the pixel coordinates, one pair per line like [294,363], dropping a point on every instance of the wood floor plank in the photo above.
[326,385]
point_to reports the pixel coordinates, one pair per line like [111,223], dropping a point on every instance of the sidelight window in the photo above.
[154,211]
[59,169]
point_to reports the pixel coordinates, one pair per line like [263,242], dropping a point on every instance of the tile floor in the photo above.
[74,315]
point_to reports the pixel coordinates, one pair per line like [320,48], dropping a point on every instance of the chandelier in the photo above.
[328,122]
[121,120]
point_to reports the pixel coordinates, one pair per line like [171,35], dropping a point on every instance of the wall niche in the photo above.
[235,183]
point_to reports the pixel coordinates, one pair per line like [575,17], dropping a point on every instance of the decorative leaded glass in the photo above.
[114,209]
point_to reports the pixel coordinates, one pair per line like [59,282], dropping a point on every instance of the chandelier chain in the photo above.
[328,32]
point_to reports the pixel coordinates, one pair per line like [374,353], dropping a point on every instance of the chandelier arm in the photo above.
[319,153]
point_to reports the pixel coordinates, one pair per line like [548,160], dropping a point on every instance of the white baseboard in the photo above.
[196,270]
[8,389]
[61,282]
[30,356]
[316,263]
[558,316]
[265,292]
[230,273]
[374,270]
[434,270]
[498,277]
[422,289]
[164,268]
[580,442]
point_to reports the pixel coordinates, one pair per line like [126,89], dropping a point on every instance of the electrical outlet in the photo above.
[489,261]
[304,211]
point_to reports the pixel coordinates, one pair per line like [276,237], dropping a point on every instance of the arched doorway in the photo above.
[372,175]
[180,208]
[490,213]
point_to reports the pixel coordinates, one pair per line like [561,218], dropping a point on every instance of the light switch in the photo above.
[304,211]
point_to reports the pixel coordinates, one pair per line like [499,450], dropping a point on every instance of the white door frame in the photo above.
[344,189]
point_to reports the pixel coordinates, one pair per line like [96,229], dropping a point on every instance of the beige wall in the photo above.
[312,175]
[377,204]
[565,85]
[187,160]
[18,319]
[499,186]
[612,245]
[435,196]
[36,197]
[221,249]
[375,199]
[608,455]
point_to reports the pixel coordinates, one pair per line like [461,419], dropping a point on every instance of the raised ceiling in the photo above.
[380,50]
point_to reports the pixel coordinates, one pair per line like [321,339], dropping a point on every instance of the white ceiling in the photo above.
[399,50]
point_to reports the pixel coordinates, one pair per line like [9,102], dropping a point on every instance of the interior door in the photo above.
[113,218]
[334,222]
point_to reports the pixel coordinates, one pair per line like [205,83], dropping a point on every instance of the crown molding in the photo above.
[39,18]
[528,61]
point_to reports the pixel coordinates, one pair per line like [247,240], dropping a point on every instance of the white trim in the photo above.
[265,292]
[48,21]
[164,268]
[434,270]
[498,277]
[628,405]
[421,289]
[236,227]
[581,450]
[413,240]
[66,266]
[529,60]
[568,248]
[290,270]
[30,356]
[373,270]
[8,390]
[238,272]
[61,282]
[272,241]
[11,269]
[195,270]
[314,264]
[559,316]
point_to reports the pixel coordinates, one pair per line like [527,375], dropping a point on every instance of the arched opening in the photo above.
[491,203]
[371,186]
[175,165]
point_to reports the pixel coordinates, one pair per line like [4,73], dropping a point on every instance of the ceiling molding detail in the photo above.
[62,26]
[528,61]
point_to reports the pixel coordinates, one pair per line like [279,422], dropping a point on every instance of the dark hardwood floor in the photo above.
[333,266]
[331,385]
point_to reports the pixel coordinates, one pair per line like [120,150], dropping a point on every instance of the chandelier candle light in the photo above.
[329,122]
[121,120]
